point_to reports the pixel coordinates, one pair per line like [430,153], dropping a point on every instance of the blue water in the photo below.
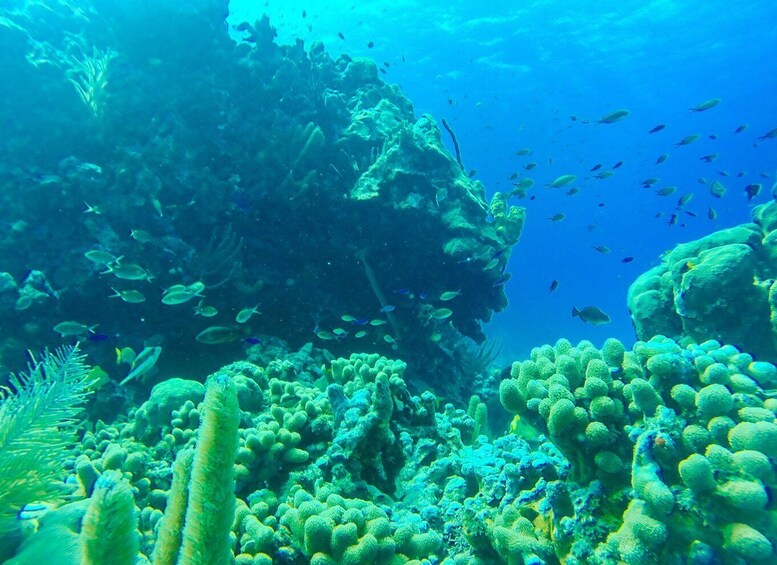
[511,75]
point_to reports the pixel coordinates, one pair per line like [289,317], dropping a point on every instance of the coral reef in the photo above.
[718,287]
[681,441]
[239,155]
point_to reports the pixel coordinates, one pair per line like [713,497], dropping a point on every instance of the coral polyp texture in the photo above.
[680,442]
[658,454]
[721,286]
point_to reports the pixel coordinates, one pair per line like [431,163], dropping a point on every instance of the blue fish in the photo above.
[402,291]
[388,308]
[501,280]
[252,340]
[98,337]
[360,322]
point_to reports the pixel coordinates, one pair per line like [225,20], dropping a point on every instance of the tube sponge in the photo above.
[211,507]
[109,530]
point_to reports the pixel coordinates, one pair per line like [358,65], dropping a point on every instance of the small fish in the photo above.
[360,334]
[252,340]
[768,135]
[596,167]
[340,35]
[712,136]
[662,158]
[717,189]
[402,291]
[524,184]
[627,259]
[339,332]
[604,175]
[100,257]
[472,173]
[130,296]
[711,213]
[522,152]
[215,335]
[688,139]
[709,158]
[602,249]
[378,322]
[702,180]
[684,199]
[658,128]
[559,217]
[98,337]
[141,236]
[347,318]
[128,271]
[370,44]
[245,314]
[388,339]
[450,295]
[441,314]
[741,128]
[176,297]
[562,181]
[97,210]
[435,337]
[752,190]
[125,355]
[666,191]
[592,315]
[691,214]
[205,311]
[502,280]
[672,220]
[143,363]
[529,166]
[388,308]
[706,105]
[612,117]
[325,335]
[647,183]
[491,264]
[617,165]
[70,329]
[553,286]
[723,173]
[572,191]
[440,195]
[511,177]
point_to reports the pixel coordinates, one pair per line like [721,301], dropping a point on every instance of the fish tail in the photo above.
[575,312]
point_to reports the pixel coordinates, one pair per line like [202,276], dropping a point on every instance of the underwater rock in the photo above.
[718,287]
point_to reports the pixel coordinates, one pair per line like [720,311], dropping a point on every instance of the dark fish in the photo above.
[573,118]
[553,286]
[627,259]
[691,214]
[596,167]
[602,249]
[340,35]
[514,176]
[252,340]
[672,220]
[381,69]
[529,166]
[752,190]
[723,173]
[98,337]
[592,315]
[662,158]
[386,64]
[618,164]
[360,322]
[712,136]
[601,204]
[472,173]
[768,135]
[711,213]
[709,158]
[370,44]
[658,128]
[402,291]
[741,128]
[304,13]
[501,280]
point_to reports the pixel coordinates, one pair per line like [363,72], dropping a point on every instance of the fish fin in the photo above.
[575,311]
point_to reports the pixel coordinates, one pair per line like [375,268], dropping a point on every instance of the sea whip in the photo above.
[455,143]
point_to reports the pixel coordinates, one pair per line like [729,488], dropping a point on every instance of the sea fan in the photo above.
[37,426]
